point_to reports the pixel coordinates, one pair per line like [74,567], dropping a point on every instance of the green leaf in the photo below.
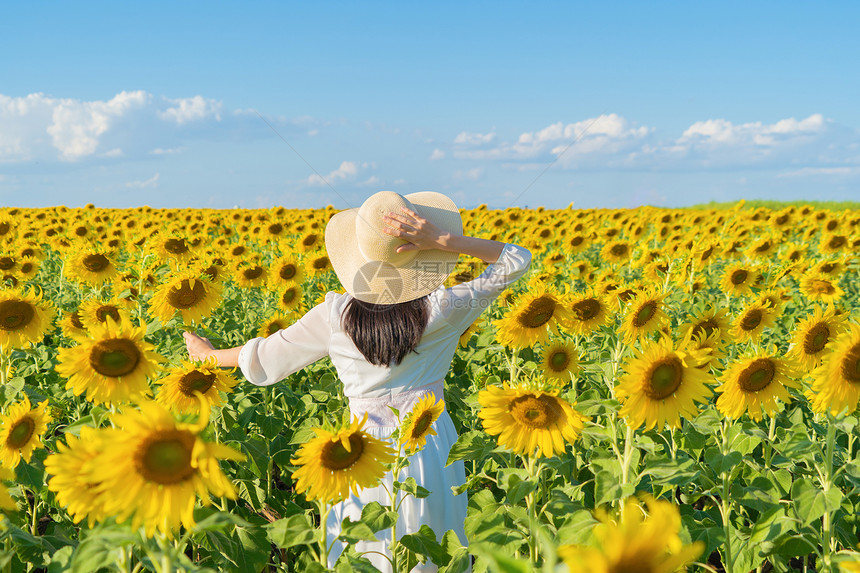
[291,531]
[761,495]
[608,489]
[667,471]
[271,426]
[423,542]
[810,502]
[355,531]
[255,548]
[61,560]
[516,483]
[410,486]
[378,517]
[721,463]
[499,560]
[473,445]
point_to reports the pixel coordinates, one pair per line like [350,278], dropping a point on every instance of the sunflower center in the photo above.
[664,379]
[175,246]
[237,251]
[739,277]
[816,338]
[288,271]
[276,228]
[763,247]
[310,240]
[827,268]
[211,271]
[836,242]
[253,272]
[15,314]
[165,457]
[185,295]
[757,375]
[107,310]
[336,457]
[76,320]
[422,424]
[632,564]
[851,365]
[618,250]
[95,263]
[559,360]
[114,357]
[196,381]
[5,228]
[538,312]
[706,327]
[6,263]
[536,412]
[273,327]
[821,287]
[576,241]
[20,434]
[288,296]
[645,313]
[321,263]
[752,319]
[586,309]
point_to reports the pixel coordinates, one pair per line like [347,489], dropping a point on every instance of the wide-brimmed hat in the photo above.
[365,257]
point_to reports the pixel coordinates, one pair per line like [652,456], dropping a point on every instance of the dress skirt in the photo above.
[441,510]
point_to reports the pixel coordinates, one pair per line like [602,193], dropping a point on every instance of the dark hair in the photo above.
[385,333]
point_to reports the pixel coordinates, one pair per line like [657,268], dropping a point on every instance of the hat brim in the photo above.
[380,282]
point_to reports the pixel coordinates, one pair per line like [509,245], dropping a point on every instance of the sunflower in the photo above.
[661,385]
[705,350]
[616,251]
[111,365]
[336,462]
[172,247]
[762,248]
[560,361]
[644,316]
[820,287]
[249,274]
[6,501]
[752,321]
[24,318]
[21,430]
[70,468]
[753,383]
[710,321]
[193,295]
[534,314]
[28,268]
[177,389]
[738,279]
[473,329]
[836,382]
[94,312]
[813,335]
[639,541]
[529,421]
[92,266]
[152,468]
[71,325]
[285,270]
[274,324]
[832,243]
[318,265]
[588,311]
[418,424]
[290,297]
[311,241]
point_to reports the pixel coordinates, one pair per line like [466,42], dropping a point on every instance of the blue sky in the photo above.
[618,104]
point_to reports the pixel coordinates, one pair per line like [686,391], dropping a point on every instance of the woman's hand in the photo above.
[421,233]
[199,348]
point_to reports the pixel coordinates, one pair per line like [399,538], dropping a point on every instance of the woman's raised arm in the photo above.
[199,348]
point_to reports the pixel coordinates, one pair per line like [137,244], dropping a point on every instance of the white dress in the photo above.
[371,389]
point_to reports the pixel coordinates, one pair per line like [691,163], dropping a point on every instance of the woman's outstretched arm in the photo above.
[422,234]
[199,348]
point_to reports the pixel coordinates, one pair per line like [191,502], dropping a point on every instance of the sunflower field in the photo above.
[665,390]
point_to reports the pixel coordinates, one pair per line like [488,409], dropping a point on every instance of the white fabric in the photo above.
[265,361]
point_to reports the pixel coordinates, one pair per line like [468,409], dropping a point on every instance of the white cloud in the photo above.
[723,132]
[399,181]
[160,151]
[189,109]
[816,171]
[347,170]
[436,155]
[151,182]
[467,138]
[372,180]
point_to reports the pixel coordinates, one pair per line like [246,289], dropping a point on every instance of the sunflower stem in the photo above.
[768,449]
[3,365]
[725,503]
[531,505]
[628,457]
[325,508]
[34,517]
[827,538]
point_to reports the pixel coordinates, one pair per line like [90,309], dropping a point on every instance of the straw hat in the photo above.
[365,257]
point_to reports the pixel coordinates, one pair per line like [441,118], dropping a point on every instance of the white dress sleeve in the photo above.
[265,361]
[462,304]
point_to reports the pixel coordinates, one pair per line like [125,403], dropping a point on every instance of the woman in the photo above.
[391,338]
